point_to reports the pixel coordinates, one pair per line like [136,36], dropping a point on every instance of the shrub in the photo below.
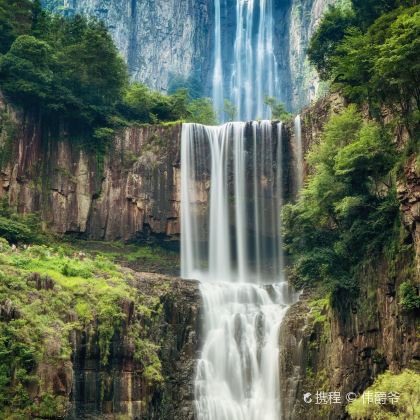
[15,231]
[409,297]
[346,210]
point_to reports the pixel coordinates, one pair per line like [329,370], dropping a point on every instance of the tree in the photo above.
[93,71]
[381,65]
[230,110]
[367,11]
[278,109]
[346,210]
[26,71]
[397,61]
[15,19]
[201,111]
[328,36]
[137,102]
[191,83]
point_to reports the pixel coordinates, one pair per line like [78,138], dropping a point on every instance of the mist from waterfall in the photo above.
[231,198]
[251,72]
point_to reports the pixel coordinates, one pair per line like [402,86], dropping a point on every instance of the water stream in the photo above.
[250,73]
[231,198]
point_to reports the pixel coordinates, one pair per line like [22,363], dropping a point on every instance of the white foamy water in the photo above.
[250,74]
[233,246]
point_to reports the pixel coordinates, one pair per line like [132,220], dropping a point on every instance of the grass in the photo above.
[142,258]
[70,291]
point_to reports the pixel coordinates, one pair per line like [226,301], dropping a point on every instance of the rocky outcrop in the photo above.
[409,195]
[120,388]
[304,16]
[131,190]
[324,352]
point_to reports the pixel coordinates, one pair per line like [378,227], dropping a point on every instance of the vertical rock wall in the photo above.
[304,17]
[132,190]
[160,39]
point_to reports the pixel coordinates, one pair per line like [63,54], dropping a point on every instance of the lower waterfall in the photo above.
[231,198]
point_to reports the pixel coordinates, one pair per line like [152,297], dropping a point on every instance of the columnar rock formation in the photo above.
[131,190]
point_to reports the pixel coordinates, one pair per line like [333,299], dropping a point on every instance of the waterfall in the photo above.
[251,72]
[231,197]
[298,154]
[217,83]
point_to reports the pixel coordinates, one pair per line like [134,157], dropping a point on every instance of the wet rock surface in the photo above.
[120,388]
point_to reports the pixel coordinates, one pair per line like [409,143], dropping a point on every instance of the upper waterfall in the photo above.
[251,73]
[221,44]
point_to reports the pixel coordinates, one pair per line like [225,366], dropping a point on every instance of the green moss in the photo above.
[87,293]
[407,406]
[318,382]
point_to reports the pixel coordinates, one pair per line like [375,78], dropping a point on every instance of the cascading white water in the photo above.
[251,73]
[233,246]
[217,82]
[298,153]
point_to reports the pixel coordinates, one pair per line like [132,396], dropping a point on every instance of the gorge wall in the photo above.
[166,39]
[134,191]
[324,351]
[121,387]
[131,191]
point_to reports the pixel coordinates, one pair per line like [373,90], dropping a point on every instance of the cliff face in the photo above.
[163,39]
[326,352]
[120,388]
[160,39]
[131,190]
[304,17]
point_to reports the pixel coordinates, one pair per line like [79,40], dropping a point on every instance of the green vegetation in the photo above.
[230,110]
[68,70]
[409,297]
[347,213]
[140,104]
[348,207]
[19,229]
[370,52]
[48,292]
[406,406]
[278,109]
[144,258]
